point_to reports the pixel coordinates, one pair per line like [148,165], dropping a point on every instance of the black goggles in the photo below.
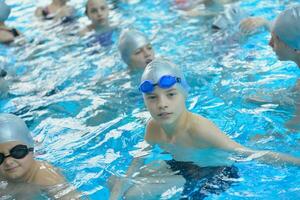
[17,152]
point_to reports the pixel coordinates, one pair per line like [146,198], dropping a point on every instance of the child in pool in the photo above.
[285,42]
[7,35]
[97,11]
[57,10]
[21,173]
[180,133]
[135,49]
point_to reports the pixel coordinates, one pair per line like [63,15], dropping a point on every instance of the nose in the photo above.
[146,52]
[162,103]
[99,13]
[8,161]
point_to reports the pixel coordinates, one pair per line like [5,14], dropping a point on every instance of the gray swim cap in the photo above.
[160,67]
[13,128]
[287,27]
[129,41]
[231,17]
[4,11]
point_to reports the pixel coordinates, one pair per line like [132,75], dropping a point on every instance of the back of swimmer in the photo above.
[135,49]
[7,34]
[57,10]
[17,162]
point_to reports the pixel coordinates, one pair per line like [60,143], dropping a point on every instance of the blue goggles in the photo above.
[164,82]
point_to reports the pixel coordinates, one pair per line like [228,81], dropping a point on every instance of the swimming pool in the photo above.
[88,117]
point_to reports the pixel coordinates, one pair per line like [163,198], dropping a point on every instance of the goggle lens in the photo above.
[164,82]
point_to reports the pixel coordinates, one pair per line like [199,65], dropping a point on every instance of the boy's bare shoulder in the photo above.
[48,175]
[200,125]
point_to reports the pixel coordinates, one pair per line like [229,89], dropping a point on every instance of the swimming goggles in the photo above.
[17,152]
[164,82]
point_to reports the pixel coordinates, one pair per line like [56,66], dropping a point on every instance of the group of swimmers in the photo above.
[175,129]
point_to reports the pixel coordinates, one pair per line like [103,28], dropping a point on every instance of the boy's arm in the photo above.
[55,185]
[121,185]
[215,138]
[252,24]
[6,37]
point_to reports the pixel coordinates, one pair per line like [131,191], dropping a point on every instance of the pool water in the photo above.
[88,118]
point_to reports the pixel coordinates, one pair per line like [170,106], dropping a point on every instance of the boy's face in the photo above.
[14,169]
[97,11]
[142,56]
[165,105]
[282,51]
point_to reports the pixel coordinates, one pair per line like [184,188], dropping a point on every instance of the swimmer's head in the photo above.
[135,49]
[164,74]
[97,11]
[4,11]
[14,129]
[287,27]
[232,15]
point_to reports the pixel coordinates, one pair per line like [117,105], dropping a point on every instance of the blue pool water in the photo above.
[88,118]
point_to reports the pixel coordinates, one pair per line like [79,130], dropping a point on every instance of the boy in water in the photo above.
[285,33]
[285,42]
[22,176]
[135,49]
[7,35]
[184,135]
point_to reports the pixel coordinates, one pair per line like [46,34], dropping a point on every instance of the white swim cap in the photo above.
[129,41]
[161,67]
[231,17]
[13,128]
[287,27]
[4,11]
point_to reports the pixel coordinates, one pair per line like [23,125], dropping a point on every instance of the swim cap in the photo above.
[161,67]
[231,16]
[287,27]
[129,41]
[4,11]
[13,128]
